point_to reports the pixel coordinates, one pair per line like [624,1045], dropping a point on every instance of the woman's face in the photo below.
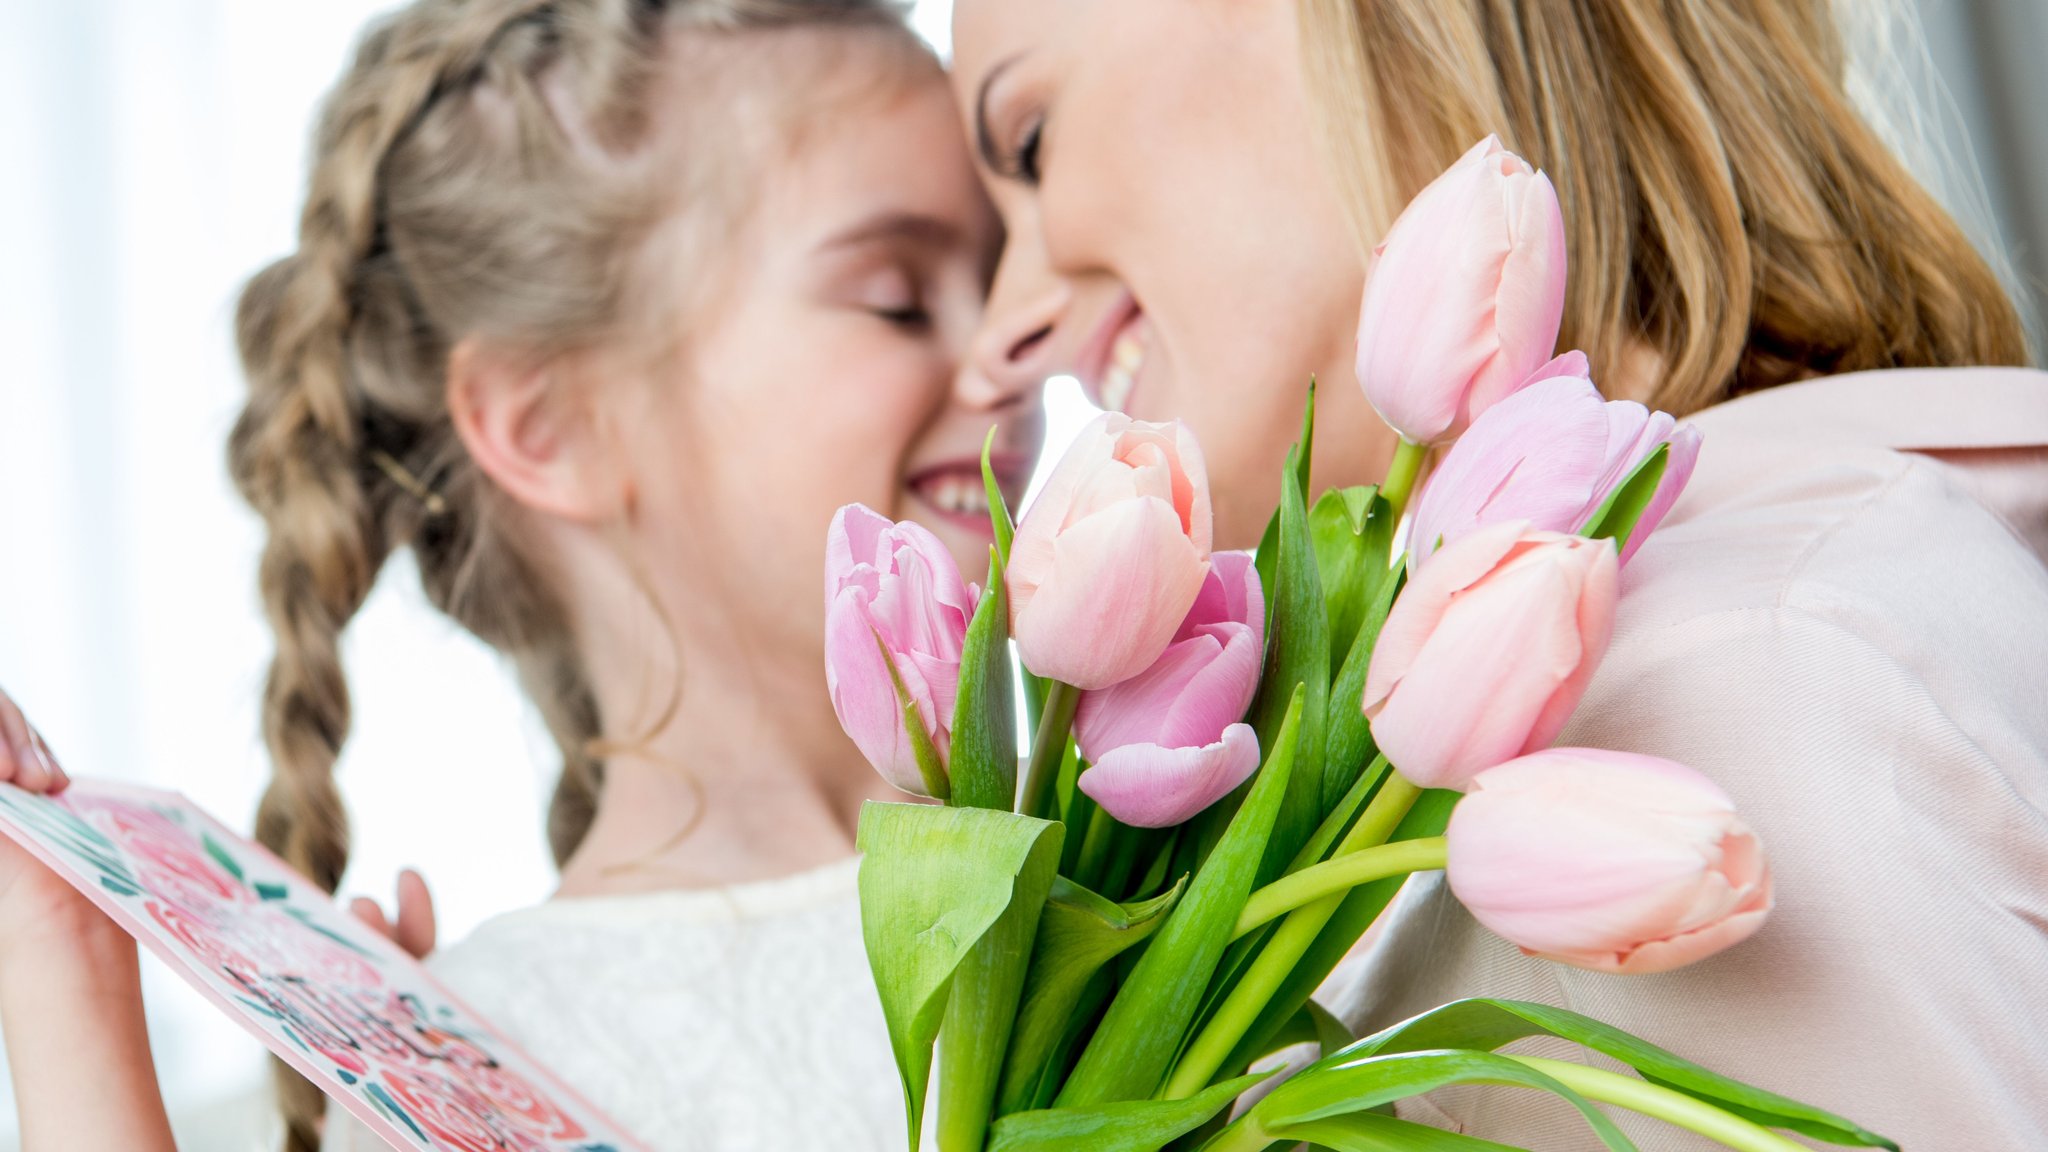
[831,366]
[1173,239]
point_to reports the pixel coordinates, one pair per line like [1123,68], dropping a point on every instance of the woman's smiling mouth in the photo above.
[1113,358]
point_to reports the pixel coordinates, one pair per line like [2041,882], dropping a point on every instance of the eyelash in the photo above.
[914,317]
[1025,163]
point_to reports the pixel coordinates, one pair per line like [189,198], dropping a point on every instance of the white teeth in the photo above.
[957,494]
[1126,357]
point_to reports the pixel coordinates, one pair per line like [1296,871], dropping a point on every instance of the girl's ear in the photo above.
[535,433]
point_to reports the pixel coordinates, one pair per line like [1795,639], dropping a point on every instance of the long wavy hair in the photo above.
[1727,207]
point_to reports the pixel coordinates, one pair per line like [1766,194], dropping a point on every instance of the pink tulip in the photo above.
[1166,743]
[1464,296]
[1679,461]
[1488,650]
[1550,454]
[1110,556]
[1607,860]
[893,597]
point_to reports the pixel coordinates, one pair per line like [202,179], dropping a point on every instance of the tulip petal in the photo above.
[1134,711]
[1147,786]
[1572,363]
[1118,586]
[1422,603]
[1536,456]
[1529,308]
[1486,674]
[1200,685]
[864,695]
[1606,860]
[1599,599]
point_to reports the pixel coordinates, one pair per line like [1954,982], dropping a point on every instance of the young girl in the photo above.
[601,307]
[1844,621]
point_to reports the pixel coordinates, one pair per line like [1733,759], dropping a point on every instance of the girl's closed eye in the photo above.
[879,283]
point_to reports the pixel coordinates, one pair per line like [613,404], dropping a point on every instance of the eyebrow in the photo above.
[984,142]
[915,227]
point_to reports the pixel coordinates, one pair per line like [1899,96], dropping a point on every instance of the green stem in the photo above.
[1101,837]
[1670,1106]
[1048,745]
[1401,474]
[1338,876]
[1241,1009]
[1243,1136]
[1380,817]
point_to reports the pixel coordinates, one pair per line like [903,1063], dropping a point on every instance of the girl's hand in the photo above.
[70,993]
[413,930]
[38,909]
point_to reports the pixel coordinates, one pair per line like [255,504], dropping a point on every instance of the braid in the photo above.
[295,456]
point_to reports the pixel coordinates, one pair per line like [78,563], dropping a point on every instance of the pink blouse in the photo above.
[1844,623]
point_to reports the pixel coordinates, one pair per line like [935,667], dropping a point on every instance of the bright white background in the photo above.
[151,157]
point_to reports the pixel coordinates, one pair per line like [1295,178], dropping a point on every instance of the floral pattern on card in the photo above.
[338,1002]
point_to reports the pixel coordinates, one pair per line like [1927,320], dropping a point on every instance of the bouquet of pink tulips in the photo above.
[1236,760]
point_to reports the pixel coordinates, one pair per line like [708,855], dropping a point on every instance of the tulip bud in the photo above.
[1464,297]
[1488,649]
[1166,744]
[1109,558]
[1550,454]
[894,601]
[1607,860]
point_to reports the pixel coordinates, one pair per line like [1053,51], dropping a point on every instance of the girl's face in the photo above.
[1173,240]
[829,366]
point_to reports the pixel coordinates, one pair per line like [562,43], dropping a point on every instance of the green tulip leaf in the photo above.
[1129,1126]
[1349,745]
[982,1012]
[1489,1024]
[1430,813]
[1243,951]
[1617,516]
[1305,447]
[1297,655]
[1128,1056]
[1078,934]
[1353,533]
[984,749]
[1347,1084]
[1006,530]
[998,508]
[1372,1132]
[1266,559]
[933,882]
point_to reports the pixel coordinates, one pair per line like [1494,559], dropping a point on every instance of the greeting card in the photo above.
[344,1006]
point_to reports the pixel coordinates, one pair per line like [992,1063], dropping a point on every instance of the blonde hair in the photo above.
[472,176]
[1725,204]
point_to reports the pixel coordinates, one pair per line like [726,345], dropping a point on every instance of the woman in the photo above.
[1845,622]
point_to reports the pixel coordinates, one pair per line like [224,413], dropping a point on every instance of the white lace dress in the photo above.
[735,1018]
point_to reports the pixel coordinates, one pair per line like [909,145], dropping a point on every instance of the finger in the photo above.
[31,771]
[14,743]
[416,930]
[365,909]
[59,778]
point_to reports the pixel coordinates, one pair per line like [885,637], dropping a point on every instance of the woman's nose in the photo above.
[1014,351]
